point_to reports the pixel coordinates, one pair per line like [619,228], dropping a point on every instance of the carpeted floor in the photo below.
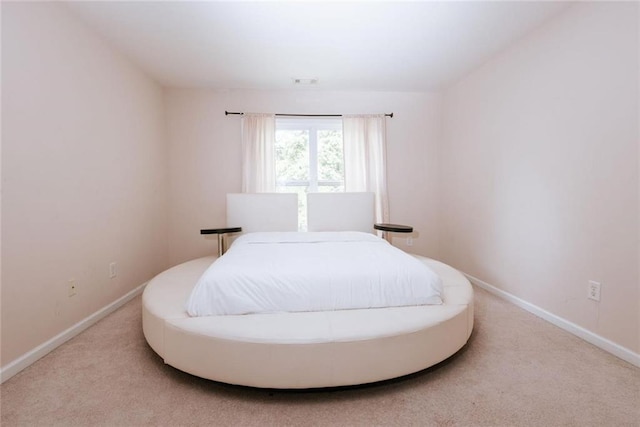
[516,370]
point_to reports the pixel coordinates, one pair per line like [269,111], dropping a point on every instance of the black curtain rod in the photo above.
[226,113]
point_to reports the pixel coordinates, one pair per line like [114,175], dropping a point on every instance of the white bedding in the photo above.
[313,271]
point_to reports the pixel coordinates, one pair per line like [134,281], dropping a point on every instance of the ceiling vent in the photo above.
[305,82]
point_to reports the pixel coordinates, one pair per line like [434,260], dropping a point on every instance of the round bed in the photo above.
[305,349]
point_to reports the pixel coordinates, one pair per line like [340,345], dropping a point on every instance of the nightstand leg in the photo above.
[220,245]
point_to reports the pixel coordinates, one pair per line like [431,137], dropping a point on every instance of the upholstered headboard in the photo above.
[263,211]
[340,212]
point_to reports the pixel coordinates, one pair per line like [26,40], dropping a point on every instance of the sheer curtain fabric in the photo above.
[258,153]
[365,165]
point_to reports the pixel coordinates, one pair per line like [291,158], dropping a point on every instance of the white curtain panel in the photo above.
[258,153]
[365,164]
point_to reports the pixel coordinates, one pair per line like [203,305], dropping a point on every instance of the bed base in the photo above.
[304,350]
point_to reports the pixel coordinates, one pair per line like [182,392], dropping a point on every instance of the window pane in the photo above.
[330,158]
[308,158]
[292,156]
[330,188]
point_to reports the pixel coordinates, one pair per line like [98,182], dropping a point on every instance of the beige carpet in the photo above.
[517,370]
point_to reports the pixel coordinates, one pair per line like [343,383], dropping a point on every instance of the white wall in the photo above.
[84,175]
[205,156]
[539,170]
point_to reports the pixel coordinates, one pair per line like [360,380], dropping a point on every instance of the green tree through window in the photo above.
[309,158]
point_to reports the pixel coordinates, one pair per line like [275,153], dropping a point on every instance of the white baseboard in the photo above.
[32,356]
[42,350]
[595,339]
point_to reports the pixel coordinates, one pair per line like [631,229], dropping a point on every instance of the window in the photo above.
[309,158]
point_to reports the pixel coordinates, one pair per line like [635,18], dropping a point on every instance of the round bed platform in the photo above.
[308,349]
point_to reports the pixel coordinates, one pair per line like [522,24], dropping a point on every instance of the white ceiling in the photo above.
[373,46]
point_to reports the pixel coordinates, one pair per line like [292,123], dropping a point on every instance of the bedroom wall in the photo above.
[539,170]
[84,175]
[205,156]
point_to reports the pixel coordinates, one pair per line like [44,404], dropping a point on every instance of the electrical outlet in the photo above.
[71,288]
[409,241]
[593,290]
[112,270]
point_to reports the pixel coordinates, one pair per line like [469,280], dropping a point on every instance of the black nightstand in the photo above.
[221,232]
[392,228]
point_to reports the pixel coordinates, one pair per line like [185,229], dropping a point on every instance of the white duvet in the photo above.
[313,271]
